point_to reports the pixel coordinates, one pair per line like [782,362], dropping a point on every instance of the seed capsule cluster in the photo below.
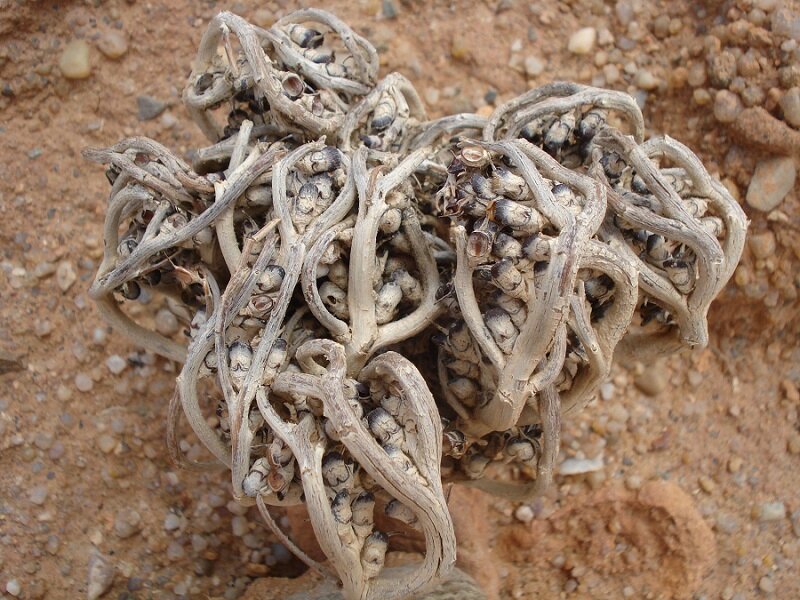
[375,303]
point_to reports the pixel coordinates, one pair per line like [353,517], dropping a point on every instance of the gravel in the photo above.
[116,364]
[14,588]
[772,180]
[582,41]
[149,108]
[524,514]
[83,382]
[127,523]
[727,106]
[771,511]
[101,575]
[74,62]
[113,44]
[790,104]
[65,276]
[578,466]
[166,322]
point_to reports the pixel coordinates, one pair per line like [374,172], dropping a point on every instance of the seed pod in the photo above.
[454,443]
[127,246]
[481,240]
[335,299]
[517,309]
[564,195]
[305,37]
[462,367]
[363,508]
[173,223]
[520,450]
[591,122]
[502,329]
[327,159]
[506,183]
[385,429]
[536,248]
[256,479]
[400,512]
[320,56]
[373,554]
[337,472]
[391,220]
[508,278]
[465,390]
[474,464]
[657,249]
[559,132]
[397,456]
[392,404]
[338,274]
[271,279]
[460,343]
[340,507]
[599,289]
[384,113]
[386,302]
[518,217]
[714,225]
[696,207]
[481,186]
[259,306]
[474,156]
[506,246]
[240,356]
[681,273]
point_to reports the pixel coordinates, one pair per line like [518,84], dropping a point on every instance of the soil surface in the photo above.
[698,495]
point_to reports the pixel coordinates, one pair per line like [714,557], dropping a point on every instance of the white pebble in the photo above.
[582,41]
[65,275]
[38,495]
[607,391]
[772,180]
[524,514]
[172,522]
[239,526]
[74,61]
[577,466]
[772,511]
[116,364]
[166,322]
[112,44]
[83,382]
[534,66]
[13,587]
[101,575]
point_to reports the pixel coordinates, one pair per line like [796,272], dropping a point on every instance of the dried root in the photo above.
[310,252]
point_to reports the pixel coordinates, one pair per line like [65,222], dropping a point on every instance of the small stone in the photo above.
[582,41]
[772,180]
[74,61]
[762,244]
[149,108]
[524,514]
[735,464]
[771,511]
[706,484]
[113,44]
[653,380]
[578,466]
[722,69]
[83,382]
[534,66]
[106,443]
[766,585]
[790,391]
[388,9]
[175,550]
[166,322]
[645,80]
[726,523]
[116,364]
[607,391]
[727,106]
[239,526]
[101,575]
[793,444]
[460,49]
[790,104]
[127,523]
[634,482]
[172,522]
[14,588]
[65,275]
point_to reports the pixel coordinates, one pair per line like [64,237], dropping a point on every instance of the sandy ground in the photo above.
[698,496]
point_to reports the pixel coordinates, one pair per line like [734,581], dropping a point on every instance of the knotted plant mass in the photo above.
[376,304]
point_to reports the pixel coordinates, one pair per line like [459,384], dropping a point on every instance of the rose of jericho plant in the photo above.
[376,304]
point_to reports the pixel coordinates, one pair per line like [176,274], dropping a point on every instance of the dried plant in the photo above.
[332,238]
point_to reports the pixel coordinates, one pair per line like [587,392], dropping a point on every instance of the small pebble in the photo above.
[727,106]
[653,380]
[113,44]
[38,495]
[771,511]
[83,382]
[645,80]
[239,526]
[766,585]
[577,466]
[149,108]
[524,514]
[65,275]
[534,66]
[762,244]
[106,443]
[74,61]
[607,391]
[13,587]
[772,180]
[172,522]
[166,322]
[101,575]
[582,41]
[116,364]
[790,104]
[127,523]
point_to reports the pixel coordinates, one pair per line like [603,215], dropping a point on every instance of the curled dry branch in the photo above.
[332,234]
